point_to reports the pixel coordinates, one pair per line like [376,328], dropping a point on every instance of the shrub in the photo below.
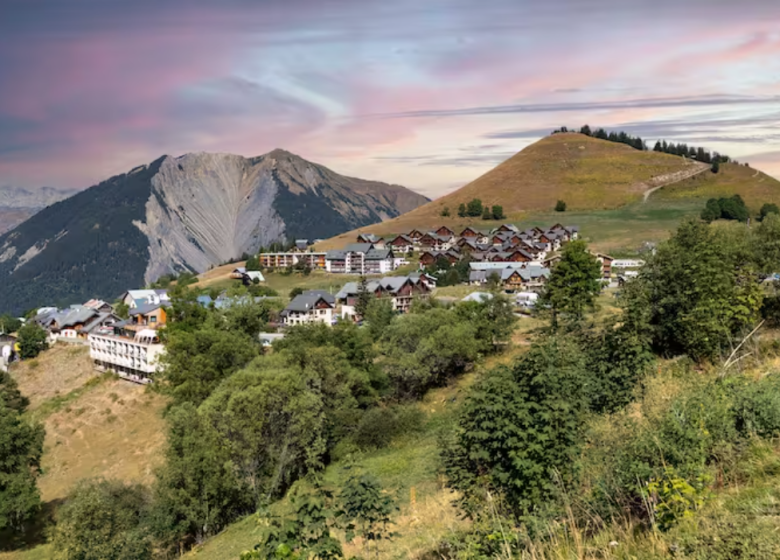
[376,429]
[560,206]
[757,408]
[730,538]
[445,212]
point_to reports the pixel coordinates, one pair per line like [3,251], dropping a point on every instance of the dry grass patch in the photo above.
[114,430]
[56,372]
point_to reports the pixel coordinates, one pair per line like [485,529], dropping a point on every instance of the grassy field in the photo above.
[96,426]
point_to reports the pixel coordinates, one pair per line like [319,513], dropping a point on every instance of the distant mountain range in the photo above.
[17,204]
[181,213]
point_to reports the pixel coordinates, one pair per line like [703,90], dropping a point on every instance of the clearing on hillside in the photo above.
[96,425]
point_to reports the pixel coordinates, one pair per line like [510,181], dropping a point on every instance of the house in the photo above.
[375,240]
[572,232]
[444,231]
[473,232]
[134,298]
[401,244]
[400,289]
[511,278]
[436,242]
[247,277]
[301,245]
[429,258]
[506,228]
[467,243]
[415,235]
[606,265]
[314,306]
[99,305]
[73,322]
[145,317]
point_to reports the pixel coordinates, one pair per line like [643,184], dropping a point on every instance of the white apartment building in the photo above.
[134,359]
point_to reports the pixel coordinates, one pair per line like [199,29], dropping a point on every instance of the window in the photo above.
[152,319]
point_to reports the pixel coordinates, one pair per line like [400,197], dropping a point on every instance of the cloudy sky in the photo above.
[429,94]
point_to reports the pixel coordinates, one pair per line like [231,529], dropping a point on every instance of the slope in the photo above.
[596,179]
[186,213]
[17,204]
[585,172]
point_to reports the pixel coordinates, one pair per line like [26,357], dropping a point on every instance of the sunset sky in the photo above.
[426,93]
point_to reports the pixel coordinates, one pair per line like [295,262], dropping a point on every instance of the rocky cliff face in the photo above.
[181,213]
[18,204]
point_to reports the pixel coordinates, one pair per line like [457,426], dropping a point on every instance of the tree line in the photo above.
[637,142]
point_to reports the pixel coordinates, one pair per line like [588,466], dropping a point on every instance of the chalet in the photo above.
[415,235]
[375,240]
[401,244]
[506,228]
[444,231]
[436,242]
[471,232]
[519,255]
[301,245]
[151,316]
[314,306]
[135,298]
[99,305]
[468,243]
[401,289]
[511,276]
[572,232]
[429,258]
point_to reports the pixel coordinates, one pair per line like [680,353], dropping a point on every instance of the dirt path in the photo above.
[665,180]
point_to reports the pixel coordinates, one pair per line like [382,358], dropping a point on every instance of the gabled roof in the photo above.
[369,237]
[239,270]
[252,274]
[403,237]
[145,309]
[379,254]
[96,304]
[100,320]
[307,301]
[359,247]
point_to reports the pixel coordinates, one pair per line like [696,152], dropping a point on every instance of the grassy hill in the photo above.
[603,184]
[96,426]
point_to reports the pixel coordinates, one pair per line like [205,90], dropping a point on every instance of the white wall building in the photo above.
[133,359]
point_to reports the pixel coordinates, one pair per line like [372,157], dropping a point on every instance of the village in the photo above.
[129,342]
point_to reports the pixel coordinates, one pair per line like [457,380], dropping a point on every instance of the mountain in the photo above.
[181,213]
[18,204]
[588,174]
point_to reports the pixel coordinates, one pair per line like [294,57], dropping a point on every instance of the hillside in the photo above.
[595,178]
[186,213]
[18,204]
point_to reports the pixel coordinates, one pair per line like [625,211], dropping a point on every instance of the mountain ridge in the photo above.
[188,212]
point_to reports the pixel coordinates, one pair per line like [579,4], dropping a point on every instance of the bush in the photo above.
[757,408]
[379,426]
[768,208]
[445,212]
[32,341]
[560,206]
[296,291]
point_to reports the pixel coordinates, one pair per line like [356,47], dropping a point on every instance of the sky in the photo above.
[428,94]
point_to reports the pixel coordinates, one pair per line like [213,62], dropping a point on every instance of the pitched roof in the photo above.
[307,301]
[252,274]
[379,254]
[145,309]
[359,247]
